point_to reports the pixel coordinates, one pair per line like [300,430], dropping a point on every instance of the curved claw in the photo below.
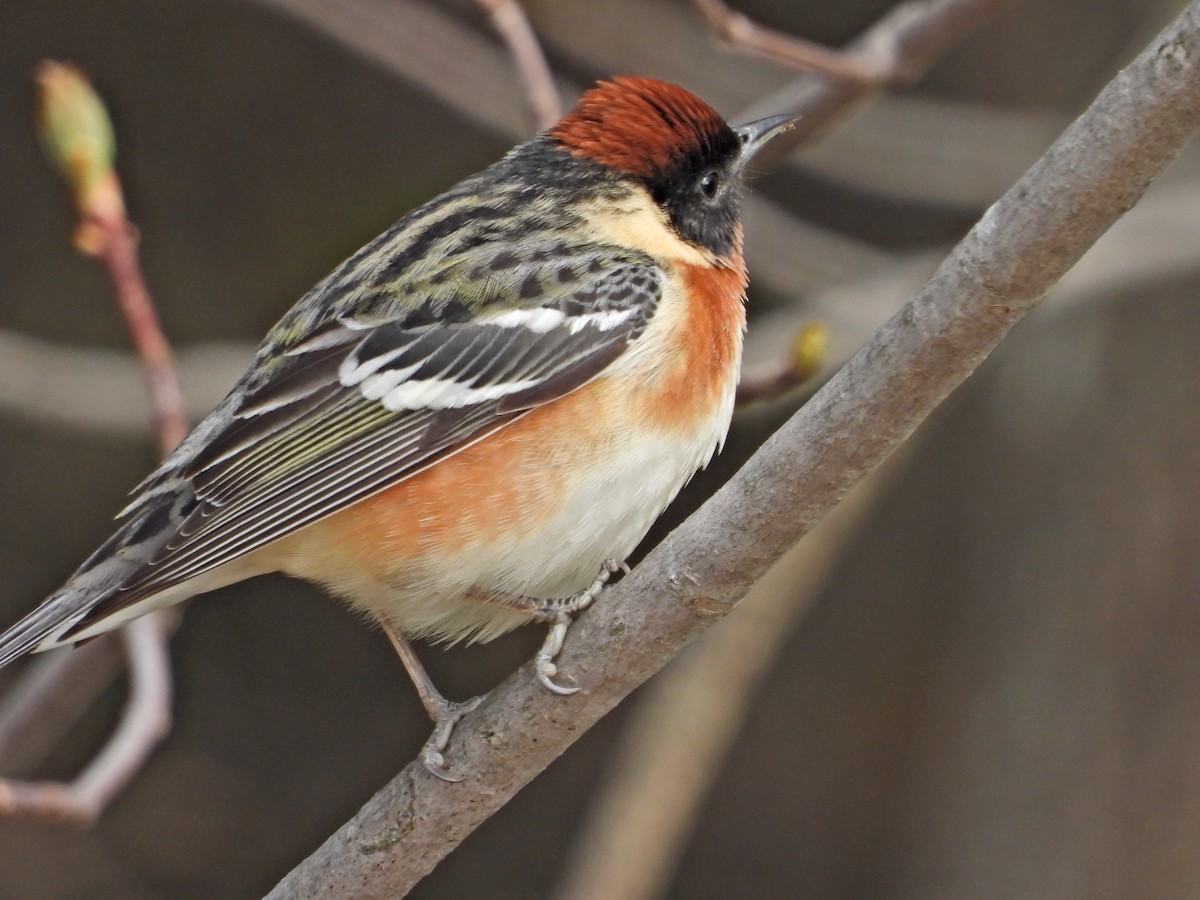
[546,670]
[560,613]
[445,715]
[435,765]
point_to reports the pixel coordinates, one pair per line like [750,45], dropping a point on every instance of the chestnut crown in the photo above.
[689,159]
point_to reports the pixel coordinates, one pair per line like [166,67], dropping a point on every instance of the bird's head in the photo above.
[688,159]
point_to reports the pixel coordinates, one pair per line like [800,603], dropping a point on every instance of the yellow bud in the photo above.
[809,349]
[78,136]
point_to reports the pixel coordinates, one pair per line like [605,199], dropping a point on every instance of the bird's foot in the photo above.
[560,614]
[445,714]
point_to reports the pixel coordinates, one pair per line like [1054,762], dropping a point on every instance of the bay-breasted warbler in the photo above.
[471,422]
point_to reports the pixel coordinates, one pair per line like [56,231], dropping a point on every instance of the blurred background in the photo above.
[989,679]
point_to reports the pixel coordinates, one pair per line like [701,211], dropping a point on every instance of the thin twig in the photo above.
[120,258]
[911,37]
[741,33]
[425,46]
[807,356]
[145,720]
[87,389]
[51,695]
[80,138]
[1094,173]
[509,19]
[56,690]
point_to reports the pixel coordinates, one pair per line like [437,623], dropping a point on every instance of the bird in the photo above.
[470,423]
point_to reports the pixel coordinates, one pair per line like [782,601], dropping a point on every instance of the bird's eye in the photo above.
[709,184]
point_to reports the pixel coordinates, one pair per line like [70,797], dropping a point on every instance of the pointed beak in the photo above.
[757,134]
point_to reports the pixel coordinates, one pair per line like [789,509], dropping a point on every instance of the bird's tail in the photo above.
[94,600]
[42,628]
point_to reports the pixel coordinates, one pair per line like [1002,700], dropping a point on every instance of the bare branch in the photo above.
[88,388]
[79,137]
[889,54]
[907,41]
[806,357]
[741,33]
[50,696]
[118,253]
[145,720]
[509,19]
[425,47]
[1091,176]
